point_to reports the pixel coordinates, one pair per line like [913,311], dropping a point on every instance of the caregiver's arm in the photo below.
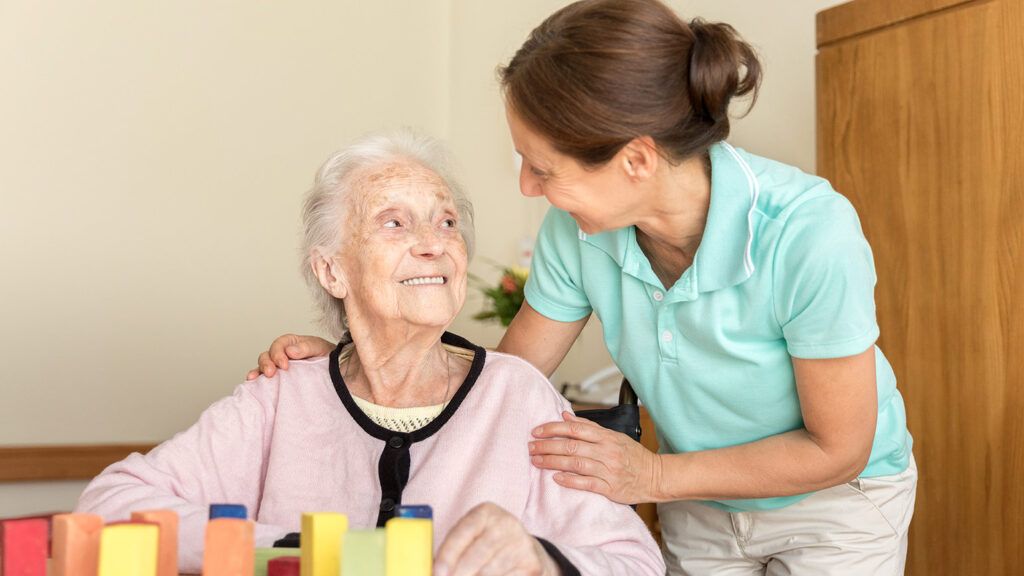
[839,405]
[540,340]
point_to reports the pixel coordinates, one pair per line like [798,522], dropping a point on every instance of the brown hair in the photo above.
[599,73]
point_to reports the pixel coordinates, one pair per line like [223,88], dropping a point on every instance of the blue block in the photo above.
[228,511]
[421,511]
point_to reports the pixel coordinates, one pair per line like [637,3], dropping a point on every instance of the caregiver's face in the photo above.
[405,259]
[598,199]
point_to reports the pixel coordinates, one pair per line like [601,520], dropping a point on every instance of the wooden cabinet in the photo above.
[920,117]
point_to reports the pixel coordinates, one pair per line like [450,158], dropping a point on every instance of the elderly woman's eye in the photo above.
[449,223]
[392,224]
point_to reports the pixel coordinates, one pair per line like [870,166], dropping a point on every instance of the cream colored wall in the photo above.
[152,157]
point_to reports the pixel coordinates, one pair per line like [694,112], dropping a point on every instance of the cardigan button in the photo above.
[396,442]
[387,505]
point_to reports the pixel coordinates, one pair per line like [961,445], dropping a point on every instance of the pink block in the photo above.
[23,546]
[283,566]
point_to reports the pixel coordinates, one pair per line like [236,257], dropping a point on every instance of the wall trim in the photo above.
[62,462]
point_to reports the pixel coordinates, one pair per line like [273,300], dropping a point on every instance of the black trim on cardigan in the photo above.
[290,540]
[394,464]
[566,567]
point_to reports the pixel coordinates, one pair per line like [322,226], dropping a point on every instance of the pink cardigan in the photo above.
[296,443]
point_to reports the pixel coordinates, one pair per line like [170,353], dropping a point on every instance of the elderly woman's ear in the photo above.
[330,273]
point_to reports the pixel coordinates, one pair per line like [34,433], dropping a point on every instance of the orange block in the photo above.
[230,548]
[167,554]
[76,544]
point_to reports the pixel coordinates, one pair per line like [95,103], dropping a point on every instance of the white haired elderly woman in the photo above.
[401,412]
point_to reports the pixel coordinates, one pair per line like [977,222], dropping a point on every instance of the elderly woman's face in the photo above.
[405,258]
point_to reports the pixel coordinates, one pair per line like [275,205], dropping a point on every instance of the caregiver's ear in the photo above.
[329,272]
[639,158]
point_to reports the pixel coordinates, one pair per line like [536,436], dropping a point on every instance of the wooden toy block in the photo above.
[409,549]
[228,511]
[230,548]
[76,544]
[417,511]
[363,553]
[45,516]
[322,536]
[23,547]
[264,555]
[167,551]
[284,566]
[128,549]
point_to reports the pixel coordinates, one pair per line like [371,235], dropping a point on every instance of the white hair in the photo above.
[323,213]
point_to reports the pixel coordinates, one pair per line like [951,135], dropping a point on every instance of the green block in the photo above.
[264,555]
[363,553]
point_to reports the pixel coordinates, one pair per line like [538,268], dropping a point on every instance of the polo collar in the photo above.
[723,258]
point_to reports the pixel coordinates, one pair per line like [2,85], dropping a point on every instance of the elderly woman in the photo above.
[401,411]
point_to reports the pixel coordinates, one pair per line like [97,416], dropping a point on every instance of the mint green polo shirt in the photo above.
[783,270]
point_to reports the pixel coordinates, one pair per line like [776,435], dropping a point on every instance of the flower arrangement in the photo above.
[504,300]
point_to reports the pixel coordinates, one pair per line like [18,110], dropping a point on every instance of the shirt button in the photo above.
[396,442]
[387,505]
[658,295]
[666,336]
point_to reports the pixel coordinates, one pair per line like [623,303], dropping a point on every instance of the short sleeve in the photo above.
[554,287]
[824,281]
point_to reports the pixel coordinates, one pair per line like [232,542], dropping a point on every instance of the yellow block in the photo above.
[129,550]
[321,542]
[409,550]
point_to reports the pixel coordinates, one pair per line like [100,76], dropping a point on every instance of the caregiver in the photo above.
[735,294]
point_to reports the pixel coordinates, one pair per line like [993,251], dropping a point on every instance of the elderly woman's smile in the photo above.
[425,281]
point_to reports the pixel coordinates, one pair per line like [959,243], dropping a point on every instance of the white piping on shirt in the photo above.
[755,190]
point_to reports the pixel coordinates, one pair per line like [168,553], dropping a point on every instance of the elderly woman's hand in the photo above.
[489,540]
[592,458]
[289,346]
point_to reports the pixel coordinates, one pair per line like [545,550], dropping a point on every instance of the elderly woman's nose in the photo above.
[429,241]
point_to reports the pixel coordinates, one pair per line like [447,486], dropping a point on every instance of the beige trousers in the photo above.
[857,529]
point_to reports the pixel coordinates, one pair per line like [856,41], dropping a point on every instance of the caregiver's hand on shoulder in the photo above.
[489,540]
[590,457]
[289,346]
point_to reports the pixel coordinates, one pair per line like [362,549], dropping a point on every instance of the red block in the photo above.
[48,516]
[23,545]
[283,566]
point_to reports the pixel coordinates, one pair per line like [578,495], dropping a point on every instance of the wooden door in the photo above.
[921,125]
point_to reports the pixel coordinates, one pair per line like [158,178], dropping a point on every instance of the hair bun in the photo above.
[722,66]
